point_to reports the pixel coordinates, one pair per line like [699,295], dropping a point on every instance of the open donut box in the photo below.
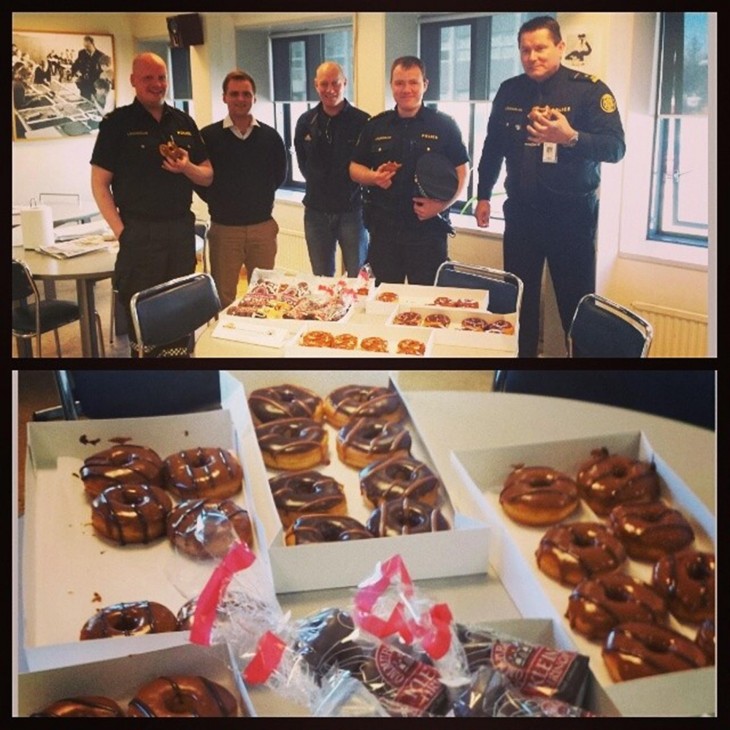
[512,555]
[461,550]
[68,572]
[419,295]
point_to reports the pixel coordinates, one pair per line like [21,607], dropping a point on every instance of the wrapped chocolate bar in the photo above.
[540,670]
[491,694]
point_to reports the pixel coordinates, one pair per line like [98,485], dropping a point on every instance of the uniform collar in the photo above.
[166,108]
[422,111]
[228,124]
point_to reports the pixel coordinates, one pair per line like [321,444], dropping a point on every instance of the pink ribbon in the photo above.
[266,659]
[238,558]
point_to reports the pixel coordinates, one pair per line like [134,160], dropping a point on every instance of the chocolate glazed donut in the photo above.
[82,706]
[317,528]
[687,581]
[209,473]
[307,492]
[364,440]
[293,443]
[405,517]
[131,513]
[121,464]
[352,401]
[284,401]
[129,619]
[182,696]
[396,478]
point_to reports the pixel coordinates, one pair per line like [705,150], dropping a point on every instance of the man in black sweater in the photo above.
[249,161]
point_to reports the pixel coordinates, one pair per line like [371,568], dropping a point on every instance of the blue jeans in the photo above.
[322,232]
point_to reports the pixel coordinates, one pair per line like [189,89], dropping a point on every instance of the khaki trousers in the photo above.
[231,247]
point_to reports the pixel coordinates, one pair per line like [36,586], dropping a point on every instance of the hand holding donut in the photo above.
[384,174]
[174,158]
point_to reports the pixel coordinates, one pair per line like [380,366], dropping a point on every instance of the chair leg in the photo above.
[101,334]
[58,344]
[111,316]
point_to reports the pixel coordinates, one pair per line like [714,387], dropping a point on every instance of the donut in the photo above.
[687,582]
[131,513]
[374,344]
[182,696]
[598,604]
[538,111]
[397,477]
[170,150]
[186,613]
[538,495]
[387,296]
[606,480]
[293,443]
[364,440]
[345,341]
[325,528]
[650,530]
[408,318]
[355,401]
[405,517]
[502,326]
[204,528]
[284,401]
[635,649]
[317,338]
[576,551]
[411,347]
[82,706]
[203,472]
[437,320]
[306,492]
[121,464]
[705,639]
[391,166]
[474,324]
[133,618]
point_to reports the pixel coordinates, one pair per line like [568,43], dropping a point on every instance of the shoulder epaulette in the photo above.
[580,76]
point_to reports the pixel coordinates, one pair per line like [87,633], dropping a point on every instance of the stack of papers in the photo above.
[75,247]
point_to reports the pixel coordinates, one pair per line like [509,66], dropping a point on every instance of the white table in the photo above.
[74,211]
[209,346]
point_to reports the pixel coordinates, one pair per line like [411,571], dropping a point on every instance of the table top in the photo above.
[209,346]
[94,265]
[65,212]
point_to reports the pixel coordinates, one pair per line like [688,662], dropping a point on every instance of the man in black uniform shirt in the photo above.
[408,233]
[144,197]
[324,139]
[553,161]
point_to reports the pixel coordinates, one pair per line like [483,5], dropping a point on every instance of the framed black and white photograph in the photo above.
[63,83]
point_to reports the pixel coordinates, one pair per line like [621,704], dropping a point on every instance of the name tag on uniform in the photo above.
[550,152]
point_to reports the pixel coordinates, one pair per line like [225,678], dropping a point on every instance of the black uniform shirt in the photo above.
[591,110]
[389,137]
[128,146]
[324,146]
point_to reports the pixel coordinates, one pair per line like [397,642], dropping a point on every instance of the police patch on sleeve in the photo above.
[608,103]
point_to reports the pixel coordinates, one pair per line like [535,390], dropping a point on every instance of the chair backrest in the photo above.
[23,284]
[505,289]
[169,311]
[603,328]
[135,393]
[684,395]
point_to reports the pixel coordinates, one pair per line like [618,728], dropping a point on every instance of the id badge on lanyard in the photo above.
[550,152]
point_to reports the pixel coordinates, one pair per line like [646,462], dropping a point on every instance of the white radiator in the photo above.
[677,333]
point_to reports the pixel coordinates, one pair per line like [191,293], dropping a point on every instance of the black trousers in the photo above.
[563,235]
[401,248]
[150,253]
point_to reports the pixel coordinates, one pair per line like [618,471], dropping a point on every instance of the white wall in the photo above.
[62,165]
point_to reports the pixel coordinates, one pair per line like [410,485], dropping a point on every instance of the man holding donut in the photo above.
[408,232]
[553,127]
[145,196]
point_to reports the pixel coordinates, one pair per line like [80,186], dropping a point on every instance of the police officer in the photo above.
[408,233]
[144,197]
[324,139]
[553,126]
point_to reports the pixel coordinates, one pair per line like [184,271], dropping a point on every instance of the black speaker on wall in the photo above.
[185,30]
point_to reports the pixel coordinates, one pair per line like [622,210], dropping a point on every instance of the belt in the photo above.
[151,218]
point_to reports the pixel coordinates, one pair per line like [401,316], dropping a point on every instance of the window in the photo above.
[467,58]
[295,59]
[679,207]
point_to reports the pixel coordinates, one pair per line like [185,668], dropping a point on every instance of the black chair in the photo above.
[684,395]
[505,289]
[166,313]
[33,316]
[132,393]
[604,328]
